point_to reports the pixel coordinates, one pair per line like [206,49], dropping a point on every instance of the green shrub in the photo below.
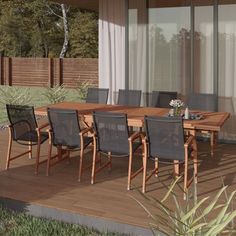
[15,95]
[191,219]
[82,89]
[55,94]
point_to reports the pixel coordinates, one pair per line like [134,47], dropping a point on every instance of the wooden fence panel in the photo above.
[42,72]
[82,70]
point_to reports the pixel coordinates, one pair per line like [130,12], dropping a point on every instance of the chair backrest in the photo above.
[129,97]
[112,132]
[202,101]
[97,95]
[162,98]
[165,136]
[21,118]
[65,127]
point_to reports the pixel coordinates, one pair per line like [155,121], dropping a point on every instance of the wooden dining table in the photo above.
[210,121]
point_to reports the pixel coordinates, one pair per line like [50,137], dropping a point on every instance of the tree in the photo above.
[40,28]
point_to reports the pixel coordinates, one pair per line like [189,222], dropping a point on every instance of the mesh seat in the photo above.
[66,135]
[129,97]
[204,102]
[112,138]
[24,130]
[165,142]
[97,95]
[162,98]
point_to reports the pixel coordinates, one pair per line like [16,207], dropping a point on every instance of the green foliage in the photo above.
[82,89]
[15,95]
[192,219]
[84,32]
[55,94]
[34,28]
[17,224]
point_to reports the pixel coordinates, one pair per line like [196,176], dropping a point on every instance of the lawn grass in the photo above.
[19,224]
[32,96]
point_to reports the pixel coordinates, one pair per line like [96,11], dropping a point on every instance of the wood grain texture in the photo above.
[43,72]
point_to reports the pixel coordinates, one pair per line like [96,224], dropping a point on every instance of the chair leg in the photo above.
[30,150]
[185,177]
[176,168]
[9,151]
[49,159]
[37,158]
[81,163]
[94,163]
[156,168]
[195,167]
[144,173]
[129,170]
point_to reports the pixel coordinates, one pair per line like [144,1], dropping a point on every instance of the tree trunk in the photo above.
[66,32]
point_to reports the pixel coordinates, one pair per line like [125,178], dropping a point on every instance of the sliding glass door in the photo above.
[168,48]
[185,46]
[227,66]
[203,44]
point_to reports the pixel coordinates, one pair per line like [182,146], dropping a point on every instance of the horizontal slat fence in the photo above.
[42,72]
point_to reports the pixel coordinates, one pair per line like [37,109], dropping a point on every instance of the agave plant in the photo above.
[190,219]
[55,94]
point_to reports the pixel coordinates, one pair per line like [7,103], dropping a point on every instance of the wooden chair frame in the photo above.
[61,151]
[10,142]
[191,142]
[131,139]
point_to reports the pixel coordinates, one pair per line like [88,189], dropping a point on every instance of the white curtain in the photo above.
[138,45]
[227,68]
[112,36]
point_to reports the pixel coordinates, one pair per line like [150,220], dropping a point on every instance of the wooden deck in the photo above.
[108,199]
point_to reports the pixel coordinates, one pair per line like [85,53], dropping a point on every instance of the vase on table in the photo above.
[177,111]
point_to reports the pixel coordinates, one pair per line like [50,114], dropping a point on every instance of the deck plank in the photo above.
[108,197]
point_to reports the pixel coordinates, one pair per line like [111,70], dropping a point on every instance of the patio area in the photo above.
[106,205]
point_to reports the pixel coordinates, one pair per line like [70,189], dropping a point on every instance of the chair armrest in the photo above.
[136,135]
[42,126]
[86,130]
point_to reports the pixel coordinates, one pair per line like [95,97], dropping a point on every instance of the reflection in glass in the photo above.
[169,48]
[227,67]
[203,50]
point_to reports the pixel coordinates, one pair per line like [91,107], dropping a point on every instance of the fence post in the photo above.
[9,71]
[50,73]
[60,71]
[1,70]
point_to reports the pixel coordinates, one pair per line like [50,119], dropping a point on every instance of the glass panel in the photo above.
[137,45]
[203,50]
[227,67]
[169,49]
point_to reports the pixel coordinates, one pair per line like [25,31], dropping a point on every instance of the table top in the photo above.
[212,121]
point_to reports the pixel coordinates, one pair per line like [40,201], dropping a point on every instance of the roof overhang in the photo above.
[83,4]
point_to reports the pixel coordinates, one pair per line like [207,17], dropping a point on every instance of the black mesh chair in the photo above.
[97,95]
[204,102]
[162,98]
[66,135]
[165,142]
[112,138]
[129,97]
[24,130]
